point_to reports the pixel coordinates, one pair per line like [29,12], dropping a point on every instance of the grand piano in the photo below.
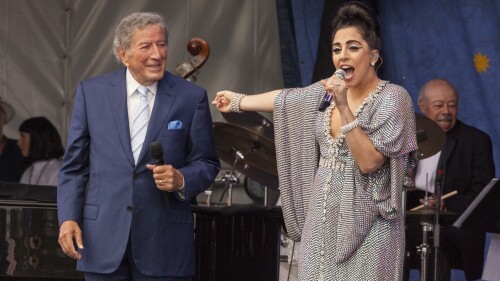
[232,243]
[28,235]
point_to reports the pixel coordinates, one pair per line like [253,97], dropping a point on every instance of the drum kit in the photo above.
[430,139]
[246,142]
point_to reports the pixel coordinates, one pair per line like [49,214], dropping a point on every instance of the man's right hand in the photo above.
[68,231]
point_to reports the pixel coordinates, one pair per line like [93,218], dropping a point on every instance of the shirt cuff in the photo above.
[181,192]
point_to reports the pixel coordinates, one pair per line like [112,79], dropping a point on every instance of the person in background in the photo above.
[12,163]
[467,162]
[40,144]
[347,207]
[129,219]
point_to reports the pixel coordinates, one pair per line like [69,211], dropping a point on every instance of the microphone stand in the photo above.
[406,184]
[424,248]
[230,179]
[437,196]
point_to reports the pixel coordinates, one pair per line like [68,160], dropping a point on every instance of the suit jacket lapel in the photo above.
[164,100]
[117,98]
[448,148]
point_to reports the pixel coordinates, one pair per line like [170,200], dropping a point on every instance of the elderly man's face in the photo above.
[440,104]
[147,56]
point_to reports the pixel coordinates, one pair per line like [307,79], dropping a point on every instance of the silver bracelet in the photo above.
[236,101]
[349,127]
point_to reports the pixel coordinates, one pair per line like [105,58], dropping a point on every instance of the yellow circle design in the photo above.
[481,62]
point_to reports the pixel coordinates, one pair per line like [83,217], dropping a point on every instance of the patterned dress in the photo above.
[350,224]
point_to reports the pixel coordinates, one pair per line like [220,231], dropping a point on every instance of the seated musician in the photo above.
[467,161]
[40,143]
[12,163]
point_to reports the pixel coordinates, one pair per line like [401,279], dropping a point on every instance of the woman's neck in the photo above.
[364,88]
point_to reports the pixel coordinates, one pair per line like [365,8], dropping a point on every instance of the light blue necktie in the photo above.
[140,123]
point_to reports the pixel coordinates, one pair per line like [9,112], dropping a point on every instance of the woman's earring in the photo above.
[375,57]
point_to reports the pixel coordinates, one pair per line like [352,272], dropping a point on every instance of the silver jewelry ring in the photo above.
[160,181]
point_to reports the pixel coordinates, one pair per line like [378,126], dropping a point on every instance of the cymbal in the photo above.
[258,152]
[428,213]
[251,120]
[430,137]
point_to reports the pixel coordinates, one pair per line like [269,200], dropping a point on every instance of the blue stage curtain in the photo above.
[455,40]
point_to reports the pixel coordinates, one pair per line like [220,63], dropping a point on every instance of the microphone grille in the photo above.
[340,73]
[155,148]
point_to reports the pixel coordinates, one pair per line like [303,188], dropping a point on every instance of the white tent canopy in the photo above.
[46,47]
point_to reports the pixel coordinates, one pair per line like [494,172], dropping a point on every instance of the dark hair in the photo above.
[359,15]
[45,141]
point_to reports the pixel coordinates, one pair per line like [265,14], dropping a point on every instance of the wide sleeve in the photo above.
[295,112]
[392,130]
[390,124]
[389,121]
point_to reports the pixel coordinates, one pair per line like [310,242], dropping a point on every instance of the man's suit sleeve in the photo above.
[482,168]
[202,162]
[74,172]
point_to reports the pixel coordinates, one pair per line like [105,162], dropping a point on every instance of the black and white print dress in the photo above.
[351,226]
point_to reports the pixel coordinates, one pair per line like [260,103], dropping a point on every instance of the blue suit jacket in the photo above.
[111,198]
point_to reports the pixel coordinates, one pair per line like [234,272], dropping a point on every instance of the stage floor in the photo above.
[284,269]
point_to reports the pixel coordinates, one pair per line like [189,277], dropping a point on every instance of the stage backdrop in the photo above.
[456,40]
[47,46]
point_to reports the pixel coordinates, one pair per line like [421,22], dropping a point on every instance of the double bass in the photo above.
[200,50]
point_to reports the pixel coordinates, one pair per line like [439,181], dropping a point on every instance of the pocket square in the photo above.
[174,125]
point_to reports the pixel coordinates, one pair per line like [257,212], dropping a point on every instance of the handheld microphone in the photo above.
[156,152]
[327,99]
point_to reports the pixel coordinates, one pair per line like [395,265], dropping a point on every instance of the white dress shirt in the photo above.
[43,172]
[133,97]
[426,173]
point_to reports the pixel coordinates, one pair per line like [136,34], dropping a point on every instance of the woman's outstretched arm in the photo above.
[260,102]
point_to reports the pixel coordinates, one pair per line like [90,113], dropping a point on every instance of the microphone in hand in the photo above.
[327,99]
[156,153]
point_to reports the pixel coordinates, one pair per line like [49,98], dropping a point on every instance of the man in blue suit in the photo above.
[131,220]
